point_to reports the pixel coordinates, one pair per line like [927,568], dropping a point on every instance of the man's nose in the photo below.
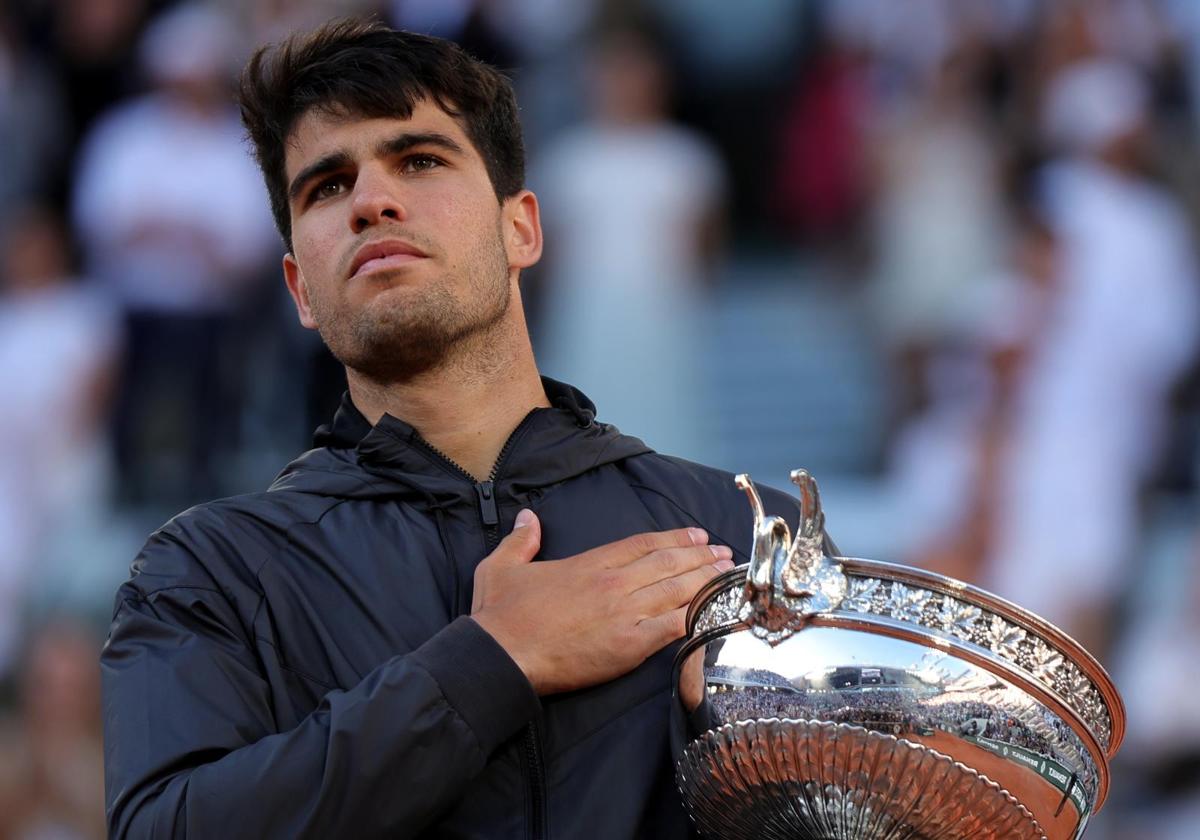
[375,200]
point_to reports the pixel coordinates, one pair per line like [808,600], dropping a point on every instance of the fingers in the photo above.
[673,562]
[624,552]
[522,543]
[660,630]
[677,591]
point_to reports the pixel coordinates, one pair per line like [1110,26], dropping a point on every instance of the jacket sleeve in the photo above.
[192,750]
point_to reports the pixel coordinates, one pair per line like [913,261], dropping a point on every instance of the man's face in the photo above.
[400,250]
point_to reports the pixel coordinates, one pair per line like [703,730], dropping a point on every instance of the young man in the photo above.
[360,651]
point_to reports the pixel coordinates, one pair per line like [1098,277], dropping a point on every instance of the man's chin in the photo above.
[405,331]
[398,356]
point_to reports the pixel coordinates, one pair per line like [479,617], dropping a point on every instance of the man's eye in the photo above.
[421,163]
[327,189]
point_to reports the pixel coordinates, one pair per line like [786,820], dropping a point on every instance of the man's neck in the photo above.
[465,409]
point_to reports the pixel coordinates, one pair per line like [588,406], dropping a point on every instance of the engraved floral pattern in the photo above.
[1045,661]
[958,618]
[1071,683]
[1096,711]
[907,603]
[863,594]
[1005,638]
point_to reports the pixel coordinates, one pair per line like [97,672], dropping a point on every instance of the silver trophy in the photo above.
[848,699]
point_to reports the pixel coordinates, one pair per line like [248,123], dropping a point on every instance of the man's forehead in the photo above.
[319,132]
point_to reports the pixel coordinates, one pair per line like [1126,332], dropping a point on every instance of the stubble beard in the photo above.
[390,342]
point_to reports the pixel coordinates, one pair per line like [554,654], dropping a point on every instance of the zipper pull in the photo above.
[487,503]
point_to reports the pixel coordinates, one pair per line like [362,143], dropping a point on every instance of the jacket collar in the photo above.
[550,445]
[349,427]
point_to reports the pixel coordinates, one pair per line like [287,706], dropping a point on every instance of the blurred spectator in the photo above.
[174,219]
[1091,416]
[1164,711]
[911,42]
[547,40]
[271,21]
[737,60]
[822,180]
[730,46]
[32,120]
[938,217]
[58,348]
[948,461]
[93,43]
[474,24]
[630,204]
[51,761]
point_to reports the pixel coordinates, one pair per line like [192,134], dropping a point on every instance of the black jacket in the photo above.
[298,663]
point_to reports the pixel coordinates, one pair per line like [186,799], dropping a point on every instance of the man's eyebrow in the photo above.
[404,142]
[329,163]
[392,146]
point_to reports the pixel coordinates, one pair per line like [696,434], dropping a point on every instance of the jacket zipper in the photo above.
[486,491]
[537,782]
[489,515]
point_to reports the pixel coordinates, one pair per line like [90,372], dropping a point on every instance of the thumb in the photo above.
[520,546]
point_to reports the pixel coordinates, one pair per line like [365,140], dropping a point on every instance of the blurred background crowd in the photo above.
[940,252]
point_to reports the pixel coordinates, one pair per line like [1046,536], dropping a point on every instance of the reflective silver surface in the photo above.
[777,778]
[942,681]
[908,601]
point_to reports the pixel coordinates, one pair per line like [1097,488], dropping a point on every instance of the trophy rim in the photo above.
[975,596]
[1091,667]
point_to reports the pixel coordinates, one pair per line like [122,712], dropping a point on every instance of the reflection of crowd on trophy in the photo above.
[890,710]
[903,711]
[959,232]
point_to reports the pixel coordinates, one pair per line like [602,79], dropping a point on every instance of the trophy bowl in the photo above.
[848,699]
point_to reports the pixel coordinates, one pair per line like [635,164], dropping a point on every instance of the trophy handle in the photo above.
[812,517]
[785,584]
[764,583]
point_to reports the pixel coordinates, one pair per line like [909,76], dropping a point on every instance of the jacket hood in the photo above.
[354,459]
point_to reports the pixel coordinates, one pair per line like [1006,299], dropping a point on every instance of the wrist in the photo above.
[479,680]
[511,642]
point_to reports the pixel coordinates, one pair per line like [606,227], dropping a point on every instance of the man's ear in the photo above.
[522,230]
[298,289]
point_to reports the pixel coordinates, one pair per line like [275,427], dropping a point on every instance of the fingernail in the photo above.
[723,565]
[721,552]
[525,517]
[698,536]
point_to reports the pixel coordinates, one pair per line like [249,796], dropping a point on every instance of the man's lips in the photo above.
[388,254]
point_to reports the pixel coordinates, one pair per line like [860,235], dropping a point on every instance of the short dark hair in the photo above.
[364,68]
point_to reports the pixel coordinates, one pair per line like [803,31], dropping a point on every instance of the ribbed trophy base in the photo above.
[807,780]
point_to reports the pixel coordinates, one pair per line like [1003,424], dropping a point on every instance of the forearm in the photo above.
[383,758]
